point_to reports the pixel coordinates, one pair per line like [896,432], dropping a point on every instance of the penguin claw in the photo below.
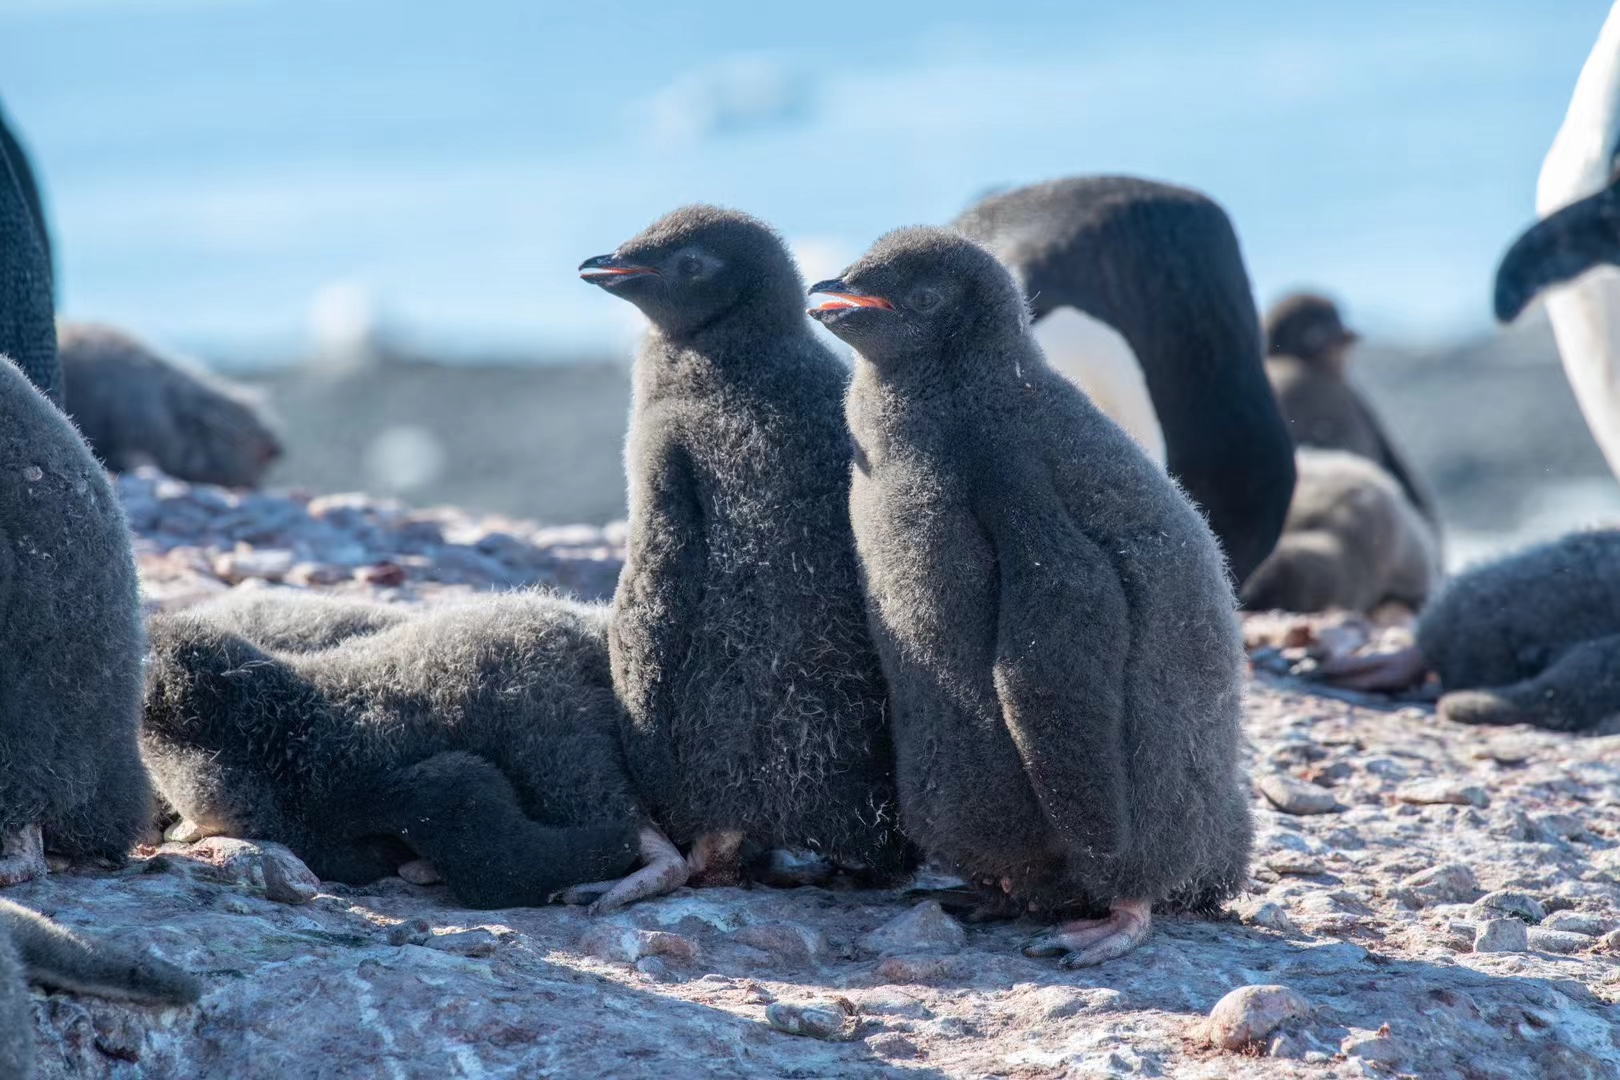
[665,870]
[1088,942]
[22,856]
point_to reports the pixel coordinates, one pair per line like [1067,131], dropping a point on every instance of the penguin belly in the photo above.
[1585,317]
[1094,357]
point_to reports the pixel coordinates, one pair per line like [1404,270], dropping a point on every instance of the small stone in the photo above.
[1461,934]
[1379,1048]
[1563,942]
[626,944]
[236,905]
[797,946]
[1288,1047]
[409,932]
[1297,863]
[477,942]
[267,564]
[916,969]
[383,575]
[1443,792]
[420,872]
[815,1021]
[1448,883]
[1610,942]
[1578,922]
[1250,1013]
[306,574]
[186,832]
[654,968]
[1501,935]
[1267,914]
[891,1044]
[286,879]
[1508,902]
[1296,796]
[925,929]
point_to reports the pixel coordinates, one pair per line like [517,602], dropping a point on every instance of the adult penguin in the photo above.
[1571,252]
[1161,265]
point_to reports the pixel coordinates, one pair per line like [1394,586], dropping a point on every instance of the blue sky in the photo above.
[215,166]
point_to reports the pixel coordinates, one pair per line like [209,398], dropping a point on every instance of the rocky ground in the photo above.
[1428,900]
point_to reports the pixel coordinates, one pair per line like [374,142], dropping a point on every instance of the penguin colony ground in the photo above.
[1307,349]
[136,407]
[1351,541]
[1054,615]
[1161,265]
[481,737]
[754,697]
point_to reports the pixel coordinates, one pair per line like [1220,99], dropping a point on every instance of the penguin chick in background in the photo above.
[755,704]
[1351,541]
[1054,615]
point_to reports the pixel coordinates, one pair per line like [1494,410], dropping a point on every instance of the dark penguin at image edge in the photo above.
[1054,616]
[755,702]
[480,737]
[27,308]
[1161,265]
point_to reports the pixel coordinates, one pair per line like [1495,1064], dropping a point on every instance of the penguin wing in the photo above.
[57,958]
[1062,639]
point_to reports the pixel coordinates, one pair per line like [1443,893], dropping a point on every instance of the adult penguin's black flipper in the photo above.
[1559,248]
[1162,266]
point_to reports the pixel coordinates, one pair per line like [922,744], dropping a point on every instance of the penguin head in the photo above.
[922,292]
[1308,326]
[699,267]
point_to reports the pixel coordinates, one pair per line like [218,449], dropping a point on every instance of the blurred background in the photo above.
[374,210]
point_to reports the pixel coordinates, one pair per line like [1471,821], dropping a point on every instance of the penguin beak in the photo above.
[1559,248]
[840,298]
[609,270]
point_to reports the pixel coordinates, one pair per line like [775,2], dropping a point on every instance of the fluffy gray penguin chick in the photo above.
[70,628]
[480,736]
[754,697]
[137,407]
[1352,540]
[1054,615]
[34,949]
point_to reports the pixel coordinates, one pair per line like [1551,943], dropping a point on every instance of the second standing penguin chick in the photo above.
[754,695]
[1054,615]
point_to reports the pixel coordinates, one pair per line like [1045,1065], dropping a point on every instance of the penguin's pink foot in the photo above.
[22,856]
[663,871]
[714,859]
[1088,942]
[1386,671]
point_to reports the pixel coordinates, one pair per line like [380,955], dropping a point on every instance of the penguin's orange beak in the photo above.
[606,269]
[840,299]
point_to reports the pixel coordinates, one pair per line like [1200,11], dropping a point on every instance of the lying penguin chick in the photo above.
[1351,541]
[291,620]
[70,646]
[1307,359]
[137,407]
[480,736]
[34,949]
[1533,638]
[754,697]
[1054,615]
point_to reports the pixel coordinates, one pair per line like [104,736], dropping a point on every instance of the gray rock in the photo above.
[1563,942]
[1511,903]
[924,930]
[789,943]
[1447,883]
[1501,935]
[1579,922]
[816,1021]
[476,942]
[1443,792]
[1266,914]
[1296,796]
[892,1045]
[1250,1013]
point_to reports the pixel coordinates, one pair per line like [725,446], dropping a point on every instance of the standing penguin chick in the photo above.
[1307,356]
[754,696]
[481,736]
[1054,616]
[1352,541]
[70,628]
[34,949]
[137,407]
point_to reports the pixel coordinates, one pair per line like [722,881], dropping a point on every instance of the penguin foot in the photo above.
[663,871]
[713,861]
[1088,942]
[22,856]
[420,872]
[1481,707]
[1375,671]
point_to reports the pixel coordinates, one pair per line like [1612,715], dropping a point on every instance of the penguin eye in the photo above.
[689,265]
[923,299]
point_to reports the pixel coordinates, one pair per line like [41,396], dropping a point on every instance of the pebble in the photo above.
[410,932]
[1578,922]
[626,944]
[1509,902]
[654,968]
[1563,942]
[1443,792]
[477,942]
[286,879]
[815,1021]
[1379,1047]
[1294,862]
[1448,883]
[794,945]
[1610,942]
[1501,935]
[1267,914]
[1250,1013]
[1293,796]
[924,930]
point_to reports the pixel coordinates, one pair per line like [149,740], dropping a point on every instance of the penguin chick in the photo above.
[1161,265]
[34,949]
[480,736]
[1351,541]
[70,644]
[1533,638]
[292,620]
[1054,616]
[136,407]
[754,698]
[1307,359]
